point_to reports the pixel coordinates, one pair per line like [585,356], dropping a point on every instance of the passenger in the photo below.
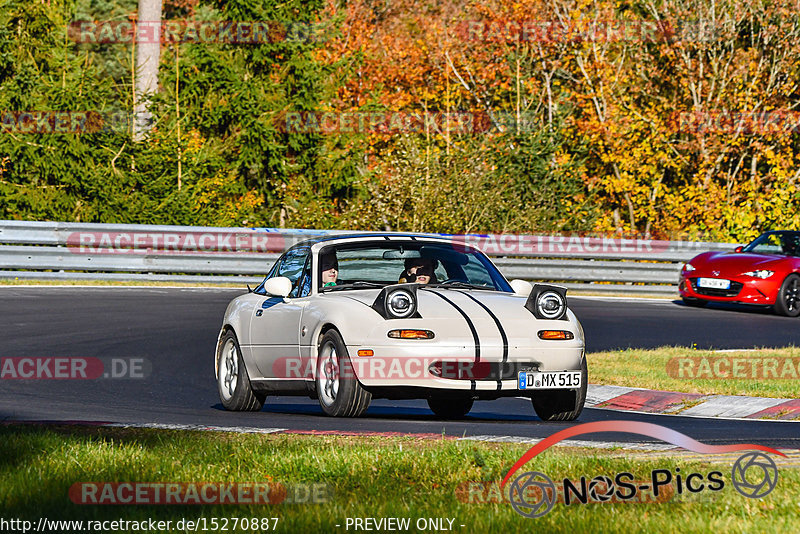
[329,267]
[419,271]
[791,246]
[425,274]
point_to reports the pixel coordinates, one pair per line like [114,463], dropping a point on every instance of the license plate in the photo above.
[551,380]
[714,283]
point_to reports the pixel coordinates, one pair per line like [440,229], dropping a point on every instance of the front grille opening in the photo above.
[461,370]
[734,290]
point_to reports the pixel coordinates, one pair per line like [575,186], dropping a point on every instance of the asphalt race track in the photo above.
[175,331]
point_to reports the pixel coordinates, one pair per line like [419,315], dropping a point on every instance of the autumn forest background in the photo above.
[670,119]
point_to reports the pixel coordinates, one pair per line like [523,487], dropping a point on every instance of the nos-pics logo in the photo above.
[533,494]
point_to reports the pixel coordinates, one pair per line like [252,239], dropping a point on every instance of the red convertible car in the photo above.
[765,272]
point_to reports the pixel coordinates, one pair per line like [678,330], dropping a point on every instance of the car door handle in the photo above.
[259,313]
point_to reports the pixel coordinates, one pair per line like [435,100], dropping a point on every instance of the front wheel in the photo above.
[450,408]
[788,300]
[233,384]
[562,404]
[340,394]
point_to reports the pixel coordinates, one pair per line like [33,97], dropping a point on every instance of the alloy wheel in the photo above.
[792,295]
[330,375]
[229,370]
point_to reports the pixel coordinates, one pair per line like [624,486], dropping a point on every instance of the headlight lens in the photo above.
[548,302]
[688,267]
[550,305]
[401,303]
[762,273]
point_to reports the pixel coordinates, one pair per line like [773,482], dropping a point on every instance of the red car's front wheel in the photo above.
[788,300]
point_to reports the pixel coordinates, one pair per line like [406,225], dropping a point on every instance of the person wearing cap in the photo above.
[329,266]
[419,271]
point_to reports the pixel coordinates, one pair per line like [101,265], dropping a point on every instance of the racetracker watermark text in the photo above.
[598,490]
[715,122]
[399,369]
[198,493]
[734,368]
[176,242]
[65,122]
[273,240]
[73,368]
[226,32]
[590,30]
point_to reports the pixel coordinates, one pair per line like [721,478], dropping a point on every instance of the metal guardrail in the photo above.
[87,251]
[65,258]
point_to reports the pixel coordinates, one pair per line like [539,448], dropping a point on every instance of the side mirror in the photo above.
[738,249]
[280,286]
[521,287]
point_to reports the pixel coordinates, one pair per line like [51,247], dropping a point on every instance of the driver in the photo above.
[329,267]
[419,271]
[791,246]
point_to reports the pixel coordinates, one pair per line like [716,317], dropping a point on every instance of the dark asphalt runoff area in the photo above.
[175,330]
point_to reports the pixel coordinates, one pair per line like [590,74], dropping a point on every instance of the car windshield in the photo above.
[376,264]
[780,243]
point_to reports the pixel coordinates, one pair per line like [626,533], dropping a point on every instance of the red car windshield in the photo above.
[778,243]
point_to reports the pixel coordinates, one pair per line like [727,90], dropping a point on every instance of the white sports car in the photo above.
[349,318]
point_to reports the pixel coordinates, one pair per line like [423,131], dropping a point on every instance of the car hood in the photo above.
[453,310]
[734,262]
[429,303]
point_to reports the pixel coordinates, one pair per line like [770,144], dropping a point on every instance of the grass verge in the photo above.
[376,477]
[762,373]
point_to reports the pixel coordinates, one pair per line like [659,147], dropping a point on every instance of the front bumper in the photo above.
[426,365]
[744,290]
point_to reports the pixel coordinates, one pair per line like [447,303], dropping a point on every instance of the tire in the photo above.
[337,397]
[788,300]
[452,408]
[695,303]
[562,404]
[233,384]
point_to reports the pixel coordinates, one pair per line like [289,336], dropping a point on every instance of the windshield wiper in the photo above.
[360,284]
[460,284]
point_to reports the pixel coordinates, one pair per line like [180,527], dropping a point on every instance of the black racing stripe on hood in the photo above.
[467,319]
[496,322]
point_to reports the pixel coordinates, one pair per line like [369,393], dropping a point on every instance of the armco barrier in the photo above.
[87,251]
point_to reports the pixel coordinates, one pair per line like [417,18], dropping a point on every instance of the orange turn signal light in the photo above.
[555,334]
[366,352]
[411,334]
